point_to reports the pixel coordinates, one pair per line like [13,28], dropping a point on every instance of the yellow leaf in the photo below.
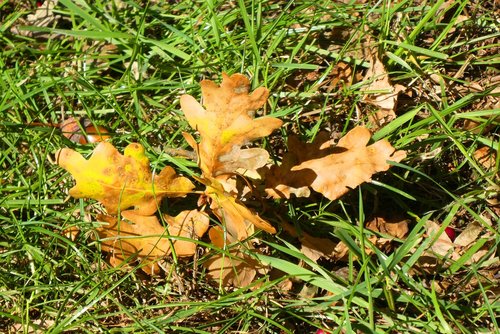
[121,181]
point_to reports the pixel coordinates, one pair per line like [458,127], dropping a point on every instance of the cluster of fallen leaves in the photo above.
[134,230]
[225,123]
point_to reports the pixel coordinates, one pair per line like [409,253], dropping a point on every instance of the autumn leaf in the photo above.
[226,123]
[44,16]
[144,238]
[320,247]
[82,131]
[316,247]
[135,236]
[236,268]
[238,219]
[121,181]
[191,224]
[389,228]
[327,169]
[380,93]
[486,156]
[443,251]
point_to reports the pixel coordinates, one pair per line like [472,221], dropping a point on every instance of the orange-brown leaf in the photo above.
[226,123]
[145,239]
[121,181]
[190,224]
[233,269]
[380,93]
[237,218]
[332,171]
[134,237]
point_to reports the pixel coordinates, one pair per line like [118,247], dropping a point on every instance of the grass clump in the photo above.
[124,64]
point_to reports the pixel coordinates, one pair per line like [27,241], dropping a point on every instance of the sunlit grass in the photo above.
[125,64]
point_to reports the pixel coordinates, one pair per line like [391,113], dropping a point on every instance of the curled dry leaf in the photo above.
[226,123]
[233,268]
[145,239]
[121,181]
[238,219]
[380,93]
[43,17]
[82,131]
[331,171]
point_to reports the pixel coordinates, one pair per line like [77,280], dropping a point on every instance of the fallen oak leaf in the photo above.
[135,237]
[336,169]
[233,267]
[314,247]
[145,238]
[121,181]
[191,224]
[226,123]
[380,93]
[236,217]
[282,181]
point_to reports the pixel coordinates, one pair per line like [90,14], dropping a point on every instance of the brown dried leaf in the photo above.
[43,17]
[82,131]
[145,238]
[342,76]
[121,181]
[442,246]
[135,236]
[469,234]
[389,229]
[314,247]
[234,268]
[332,171]
[226,123]
[397,229]
[237,218]
[486,157]
[191,224]
[380,93]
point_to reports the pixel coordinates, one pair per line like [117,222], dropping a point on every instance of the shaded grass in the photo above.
[161,50]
